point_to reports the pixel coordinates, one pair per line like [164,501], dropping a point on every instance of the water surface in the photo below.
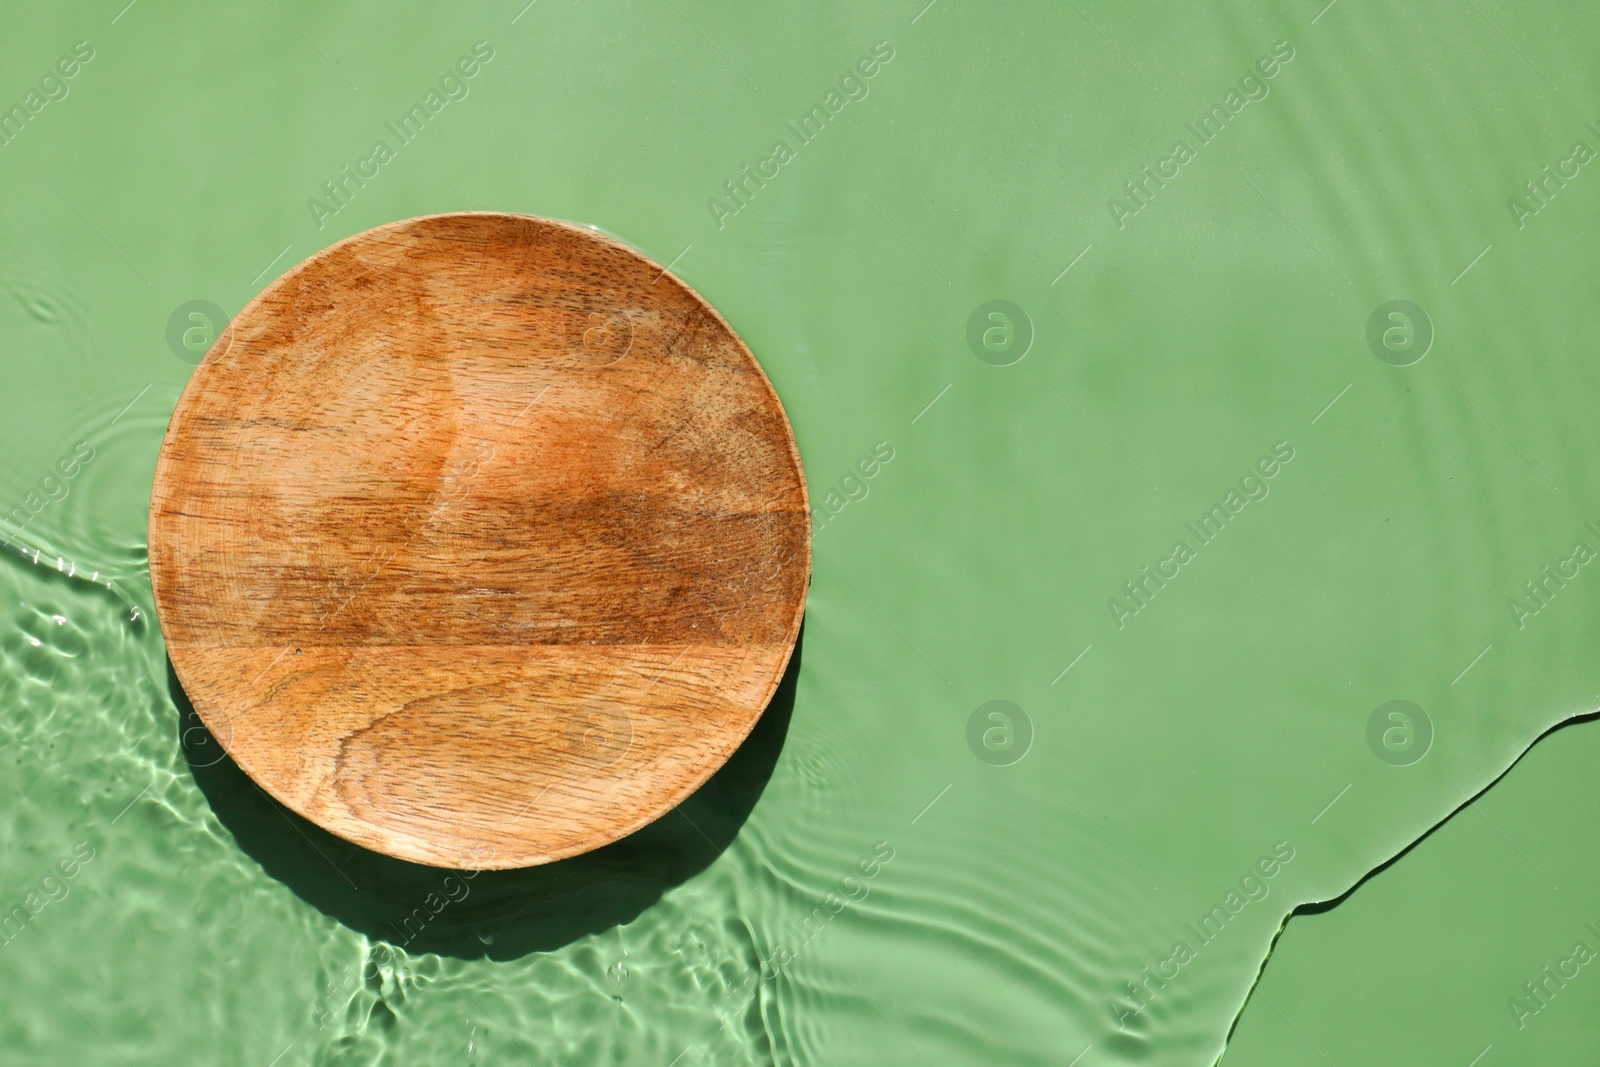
[1361,491]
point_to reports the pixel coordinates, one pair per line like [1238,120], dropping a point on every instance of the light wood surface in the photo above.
[479,540]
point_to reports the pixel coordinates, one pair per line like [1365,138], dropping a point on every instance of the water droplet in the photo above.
[486,937]
[618,973]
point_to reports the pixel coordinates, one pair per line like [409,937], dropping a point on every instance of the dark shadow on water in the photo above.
[494,914]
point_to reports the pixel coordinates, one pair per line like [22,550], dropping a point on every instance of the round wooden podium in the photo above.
[479,539]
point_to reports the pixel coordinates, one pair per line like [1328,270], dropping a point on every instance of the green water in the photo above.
[1429,962]
[893,874]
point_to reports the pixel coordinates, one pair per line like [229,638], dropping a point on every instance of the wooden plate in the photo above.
[479,540]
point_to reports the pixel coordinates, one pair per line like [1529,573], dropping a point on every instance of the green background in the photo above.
[1158,756]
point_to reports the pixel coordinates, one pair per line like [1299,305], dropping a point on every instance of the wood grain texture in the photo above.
[479,540]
